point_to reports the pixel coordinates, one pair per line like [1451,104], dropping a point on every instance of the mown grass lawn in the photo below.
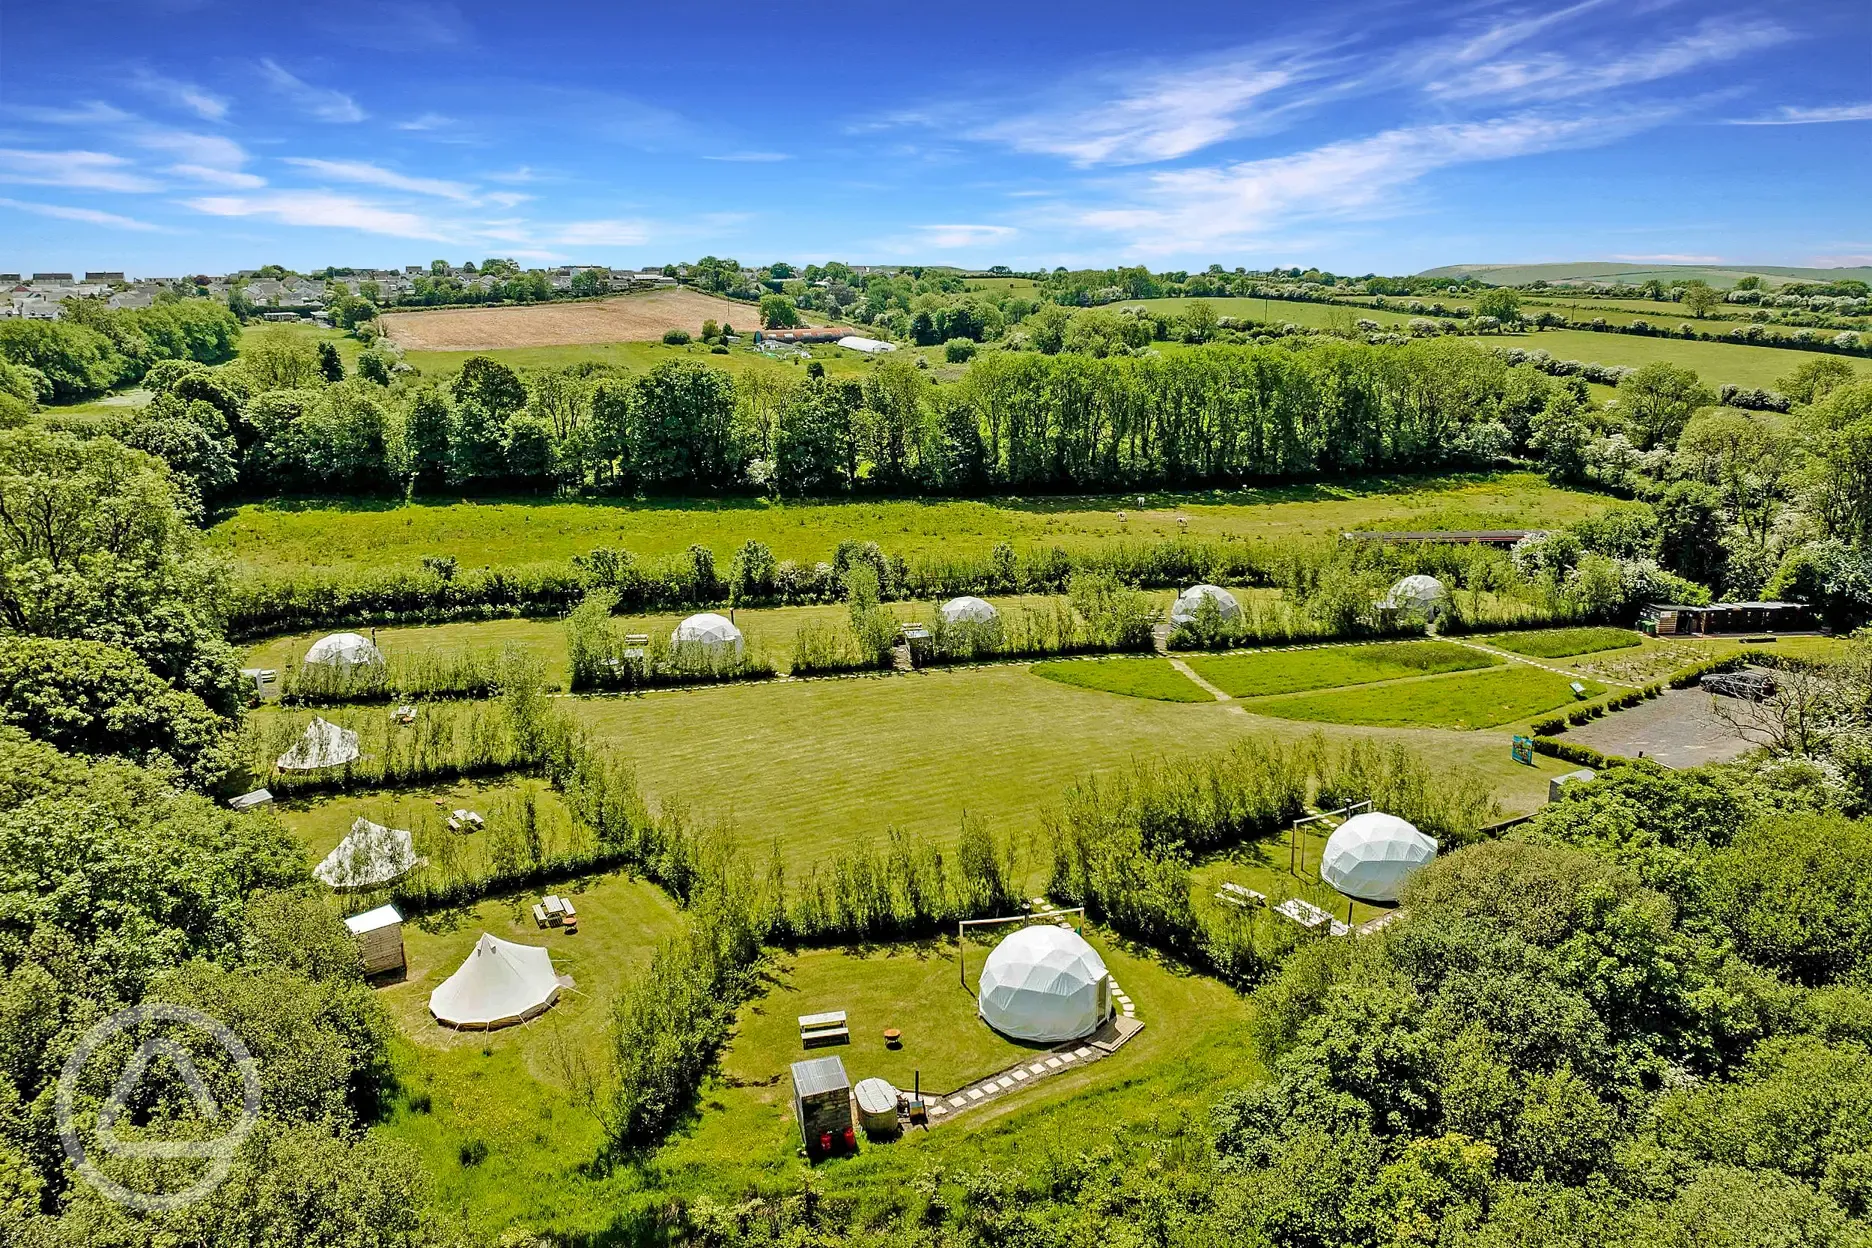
[1290,671]
[1717,363]
[335,535]
[1556,643]
[1460,702]
[1132,677]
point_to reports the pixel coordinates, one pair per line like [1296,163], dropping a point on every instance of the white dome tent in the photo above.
[715,634]
[322,744]
[1369,856]
[968,610]
[1419,594]
[344,650]
[1045,984]
[500,984]
[1190,601]
[371,855]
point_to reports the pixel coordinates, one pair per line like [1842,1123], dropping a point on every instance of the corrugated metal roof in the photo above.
[820,1075]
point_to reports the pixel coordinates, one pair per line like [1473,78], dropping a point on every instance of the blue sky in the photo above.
[168,136]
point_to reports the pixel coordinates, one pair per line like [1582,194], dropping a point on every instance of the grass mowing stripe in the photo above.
[1482,700]
[1137,678]
[1556,643]
[1292,671]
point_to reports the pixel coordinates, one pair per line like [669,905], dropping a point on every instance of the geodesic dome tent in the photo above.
[500,984]
[322,744]
[1370,856]
[344,650]
[968,610]
[714,633]
[1421,594]
[369,856]
[1190,601]
[1046,984]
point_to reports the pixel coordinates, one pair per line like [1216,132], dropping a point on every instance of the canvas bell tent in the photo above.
[322,744]
[968,610]
[1417,595]
[714,634]
[1044,984]
[370,856]
[499,985]
[1190,601]
[344,650]
[1370,856]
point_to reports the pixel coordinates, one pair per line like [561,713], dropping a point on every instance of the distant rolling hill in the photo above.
[1721,276]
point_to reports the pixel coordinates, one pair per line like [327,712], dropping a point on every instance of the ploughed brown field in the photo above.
[624,318]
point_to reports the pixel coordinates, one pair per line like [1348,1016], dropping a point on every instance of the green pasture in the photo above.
[349,348]
[815,768]
[1717,363]
[1556,643]
[1291,671]
[1278,868]
[1131,677]
[1460,702]
[1282,311]
[334,535]
[638,357]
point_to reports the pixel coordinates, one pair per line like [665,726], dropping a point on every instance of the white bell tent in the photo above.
[1418,594]
[968,610]
[499,985]
[370,856]
[322,744]
[1044,984]
[344,650]
[1369,856]
[714,633]
[1190,601]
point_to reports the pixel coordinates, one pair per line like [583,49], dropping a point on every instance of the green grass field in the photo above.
[1463,703]
[638,357]
[1556,643]
[1135,678]
[1717,363]
[289,536]
[1290,671]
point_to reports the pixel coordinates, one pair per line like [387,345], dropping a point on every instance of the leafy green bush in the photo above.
[604,659]
[675,337]
[428,674]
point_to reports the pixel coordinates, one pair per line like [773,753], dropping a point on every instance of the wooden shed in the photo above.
[379,934]
[822,1103]
[1676,620]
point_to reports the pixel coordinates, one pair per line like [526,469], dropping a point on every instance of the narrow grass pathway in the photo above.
[1510,655]
[1190,672]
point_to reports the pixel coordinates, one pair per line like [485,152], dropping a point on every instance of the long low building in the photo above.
[805,333]
[1460,537]
[1675,620]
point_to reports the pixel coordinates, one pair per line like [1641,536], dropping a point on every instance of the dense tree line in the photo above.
[94,348]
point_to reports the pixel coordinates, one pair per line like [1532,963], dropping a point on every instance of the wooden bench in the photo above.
[1237,895]
[539,914]
[827,1028]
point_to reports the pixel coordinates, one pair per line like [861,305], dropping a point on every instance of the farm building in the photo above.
[870,346]
[370,856]
[379,935]
[500,984]
[344,650]
[1668,620]
[1044,983]
[805,333]
[1454,537]
[1190,601]
[715,634]
[1370,856]
[822,1105]
[322,744]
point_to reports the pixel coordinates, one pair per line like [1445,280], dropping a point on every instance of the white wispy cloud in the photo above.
[614,233]
[1168,114]
[321,103]
[90,113]
[187,95]
[1794,115]
[323,209]
[949,237]
[521,175]
[213,150]
[428,121]
[95,171]
[1352,178]
[367,174]
[507,199]
[90,216]
[1552,75]
[233,179]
